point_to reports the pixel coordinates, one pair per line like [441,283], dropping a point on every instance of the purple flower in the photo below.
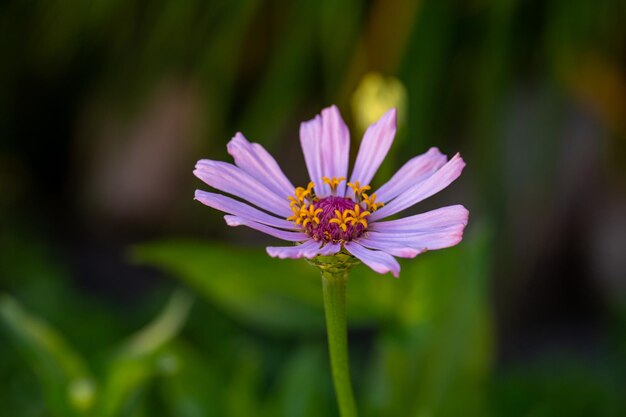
[332,214]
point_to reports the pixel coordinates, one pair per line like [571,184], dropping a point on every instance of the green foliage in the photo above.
[67,384]
[70,388]
[140,358]
[279,296]
[422,345]
[433,334]
[561,386]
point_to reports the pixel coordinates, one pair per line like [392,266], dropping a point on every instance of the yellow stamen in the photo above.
[305,214]
[309,187]
[301,213]
[358,216]
[303,193]
[358,189]
[333,182]
[342,219]
[370,202]
[313,212]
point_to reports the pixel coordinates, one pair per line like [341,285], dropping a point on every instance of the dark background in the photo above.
[105,106]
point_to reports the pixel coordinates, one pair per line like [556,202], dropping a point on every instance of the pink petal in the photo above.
[435,183]
[335,146]
[413,172]
[435,219]
[308,249]
[374,147]
[380,262]
[280,234]
[256,161]
[330,249]
[231,206]
[310,133]
[231,179]
[436,239]
[325,143]
[392,248]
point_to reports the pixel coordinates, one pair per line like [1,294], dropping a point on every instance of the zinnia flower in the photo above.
[332,214]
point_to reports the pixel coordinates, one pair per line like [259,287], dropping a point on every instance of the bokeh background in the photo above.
[121,296]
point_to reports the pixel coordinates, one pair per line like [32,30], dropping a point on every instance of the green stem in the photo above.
[334,284]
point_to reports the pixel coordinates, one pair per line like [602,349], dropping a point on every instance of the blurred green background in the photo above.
[121,296]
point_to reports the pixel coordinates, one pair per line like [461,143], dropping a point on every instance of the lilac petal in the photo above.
[325,143]
[380,262]
[413,172]
[374,147]
[256,161]
[392,248]
[435,183]
[310,132]
[440,218]
[231,179]
[435,239]
[335,146]
[232,206]
[280,234]
[330,249]
[308,249]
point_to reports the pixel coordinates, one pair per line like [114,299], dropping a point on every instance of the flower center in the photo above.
[333,218]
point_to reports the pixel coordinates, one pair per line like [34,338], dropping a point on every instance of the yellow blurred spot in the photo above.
[600,83]
[375,95]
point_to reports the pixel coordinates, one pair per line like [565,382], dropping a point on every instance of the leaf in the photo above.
[276,295]
[192,386]
[435,360]
[68,386]
[303,384]
[142,357]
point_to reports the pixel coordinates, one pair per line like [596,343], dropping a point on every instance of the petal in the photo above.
[440,218]
[256,161]
[330,249]
[325,143]
[413,172]
[380,262]
[374,147]
[231,179]
[437,239]
[435,183]
[232,206]
[280,234]
[308,249]
[310,132]
[392,248]
[335,146]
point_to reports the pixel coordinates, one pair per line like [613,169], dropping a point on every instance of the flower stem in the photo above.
[334,284]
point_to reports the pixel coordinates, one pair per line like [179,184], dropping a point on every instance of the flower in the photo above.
[332,214]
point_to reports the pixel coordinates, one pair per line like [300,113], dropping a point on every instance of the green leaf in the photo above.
[245,283]
[67,383]
[142,357]
[303,384]
[276,295]
[435,360]
[192,387]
